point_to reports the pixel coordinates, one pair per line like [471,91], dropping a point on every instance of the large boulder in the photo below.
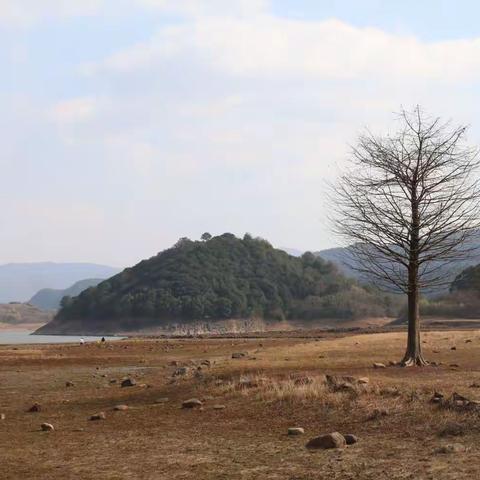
[192,403]
[350,439]
[128,382]
[98,416]
[330,440]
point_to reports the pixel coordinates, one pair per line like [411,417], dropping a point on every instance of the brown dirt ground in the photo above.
[247,440]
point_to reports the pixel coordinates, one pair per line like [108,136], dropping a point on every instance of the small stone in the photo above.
[98,416]
[474,385]
[468,340]
[2,416]
[296,431]
[453,348]
[113,380]
[179,372]
[128,382]
[36,407]
[350,439]
[69,384]
[331,440]
[379,365]
[437,397]
[120,408]
[451,448]
[363,380]
[239,355]
[192,403]
[47,427]
[219,407]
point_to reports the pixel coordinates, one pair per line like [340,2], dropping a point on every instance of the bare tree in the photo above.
[410,206]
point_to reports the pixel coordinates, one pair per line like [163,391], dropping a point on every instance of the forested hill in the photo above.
[219,278]
[469,280]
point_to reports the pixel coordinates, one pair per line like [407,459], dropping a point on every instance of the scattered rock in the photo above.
[120,408]
[379,365]
[363,380]
[453,348]
[346,384]
[393,363]
[69,384]
[98,416]
[453,429]
[192,403]
[474,385]
[296,431]
[113,380]
[219,407]
[128,382]
[179,372]
[350,439]
[36,407]
[437,397]
[2,416]
[239,355]
[468,340]
[451,448]
[206,363]
[174,363]
[247,383]
[47,427]
[331,440]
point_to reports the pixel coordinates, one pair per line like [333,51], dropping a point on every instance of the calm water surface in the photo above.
[7,338]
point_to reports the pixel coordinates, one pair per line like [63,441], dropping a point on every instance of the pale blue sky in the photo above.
[129,123]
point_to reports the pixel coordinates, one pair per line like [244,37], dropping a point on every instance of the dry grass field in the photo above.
[279,383]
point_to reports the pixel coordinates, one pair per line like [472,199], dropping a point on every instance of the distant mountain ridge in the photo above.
[50,298]
[346,263]
[20,281]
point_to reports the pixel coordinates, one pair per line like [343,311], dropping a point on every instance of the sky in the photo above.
[127,124]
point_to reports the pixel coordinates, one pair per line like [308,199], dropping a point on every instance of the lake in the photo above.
[8,338]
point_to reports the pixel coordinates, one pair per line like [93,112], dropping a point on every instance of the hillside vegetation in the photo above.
[50,298]
[219,278]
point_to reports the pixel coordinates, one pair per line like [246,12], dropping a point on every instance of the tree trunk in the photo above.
[413,355]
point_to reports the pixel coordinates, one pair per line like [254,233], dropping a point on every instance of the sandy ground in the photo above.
[247,439]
